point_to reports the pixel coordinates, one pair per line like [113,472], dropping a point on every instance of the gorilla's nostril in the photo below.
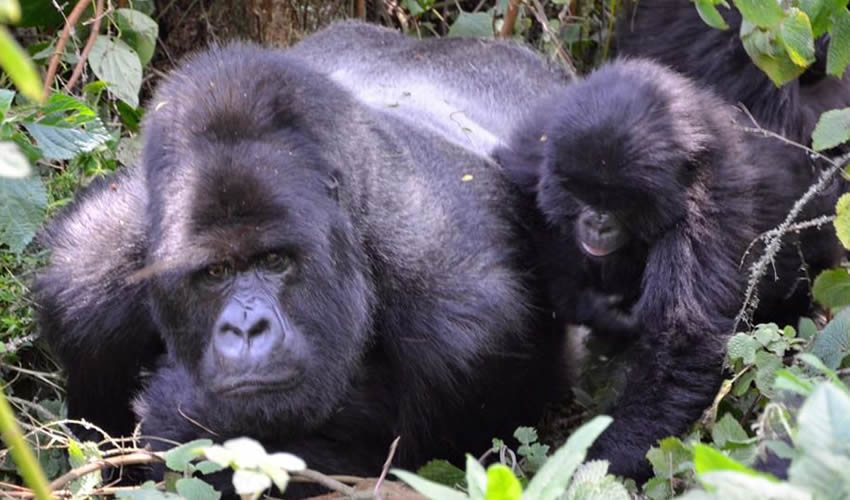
[259,328]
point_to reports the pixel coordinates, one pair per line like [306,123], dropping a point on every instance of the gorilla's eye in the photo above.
[219,270]
[276,262]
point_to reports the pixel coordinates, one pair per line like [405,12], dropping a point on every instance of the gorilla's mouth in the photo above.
[246,386]
[598,252]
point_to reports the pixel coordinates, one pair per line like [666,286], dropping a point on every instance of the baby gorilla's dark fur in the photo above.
[318,272]
[653,196]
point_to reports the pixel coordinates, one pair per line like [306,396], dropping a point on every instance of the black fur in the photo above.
[413,294]
[639,141]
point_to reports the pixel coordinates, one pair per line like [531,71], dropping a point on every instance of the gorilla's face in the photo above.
[270,307]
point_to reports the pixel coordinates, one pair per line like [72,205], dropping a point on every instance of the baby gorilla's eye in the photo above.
[219,270]
[276,262]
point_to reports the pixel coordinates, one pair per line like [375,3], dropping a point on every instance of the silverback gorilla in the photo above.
[294,264]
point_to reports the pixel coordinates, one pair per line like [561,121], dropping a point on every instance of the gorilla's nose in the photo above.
[246,332]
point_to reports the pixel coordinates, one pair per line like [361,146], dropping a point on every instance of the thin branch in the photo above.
[386,468]
[326,481]
[53,66]
[360,9]
[139,457]
[540,13]
[510,19]
[78,69]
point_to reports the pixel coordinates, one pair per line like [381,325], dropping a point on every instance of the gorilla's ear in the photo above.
[522,160]
[332,185]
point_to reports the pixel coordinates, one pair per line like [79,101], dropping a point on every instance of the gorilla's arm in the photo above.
[92,313]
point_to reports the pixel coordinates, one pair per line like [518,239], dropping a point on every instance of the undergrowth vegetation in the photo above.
[786,397]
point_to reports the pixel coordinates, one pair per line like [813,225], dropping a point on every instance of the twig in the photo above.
[106,490]
[510,19]
[566,61]
[78,69]
[326,481]
[386,468]
[139,457]
[360,9]
[60,45]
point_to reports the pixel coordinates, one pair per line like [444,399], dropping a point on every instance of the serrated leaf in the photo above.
[476,478]
[247,482]
[443,472]
[709,14]
[832,129]
[23,203]
[727,429]
[842,220]
[139,31]
[833,342]
[742,346]
[670,457]
[823,435]
[525,435]
[796,34]
[15,62]
[179,457]
[479,25]
[838,54]
[832,288]
[13,163]
[192,488]
[762,13]
[767,364]
[432,490]
[117,64]
[592,482]
[551,480]
[767,333]
[63,143]
[502,484]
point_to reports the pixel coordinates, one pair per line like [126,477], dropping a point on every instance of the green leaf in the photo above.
[551,480]
[670,457]
[832,129]
[430,489]
[842,220]
[807,328]
[179,458]
[832,344]
[727,429]
[147,491]
[443,472]
[796,35]
[762,13]
[592,482]
[6,98]
[526,435]
[10,11]
[838,54]
[64,143]
[192,488]
[823,474]
[788,381]
[476,479]
[832,288]
[767,364]
[114,62]
[709,14]
[248,482]
[13,163]
[742,346]
[478,25]
[707,459]
[767,333]
[502,484]
[824,421]
[769,54]
[734,485]
[208,467]
[23,203]
[818,13]
[139,31]
[16,63]
[658,488]
[80,454]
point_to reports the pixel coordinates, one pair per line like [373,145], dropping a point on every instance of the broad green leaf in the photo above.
[818,12]
[551,480]
[248,482]
[824,421]
[478,25]
[139,31]
[710,15]
[796,34]
[816,363]
[762,13]
[734,485]
[443,472]
[10,11]
[147,491]
[767,333]
[838,54]
[13,163]
[525,435]
[767,364]
[807,328]
[208,467]
[742,346]
[670,457]
[62,143]
[832,288]
[179,458]
[192,488]
[117,64]
[430,489]
[842,220]
[476,478]
[832,129]
[502,484]
[15,62]
[788,381]
[833,343]
[658,488]
[23,203]
[707,459]
[80,454]
[727,429]
[822,473]
[768,54]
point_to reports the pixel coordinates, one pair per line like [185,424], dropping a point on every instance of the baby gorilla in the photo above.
[652,197]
